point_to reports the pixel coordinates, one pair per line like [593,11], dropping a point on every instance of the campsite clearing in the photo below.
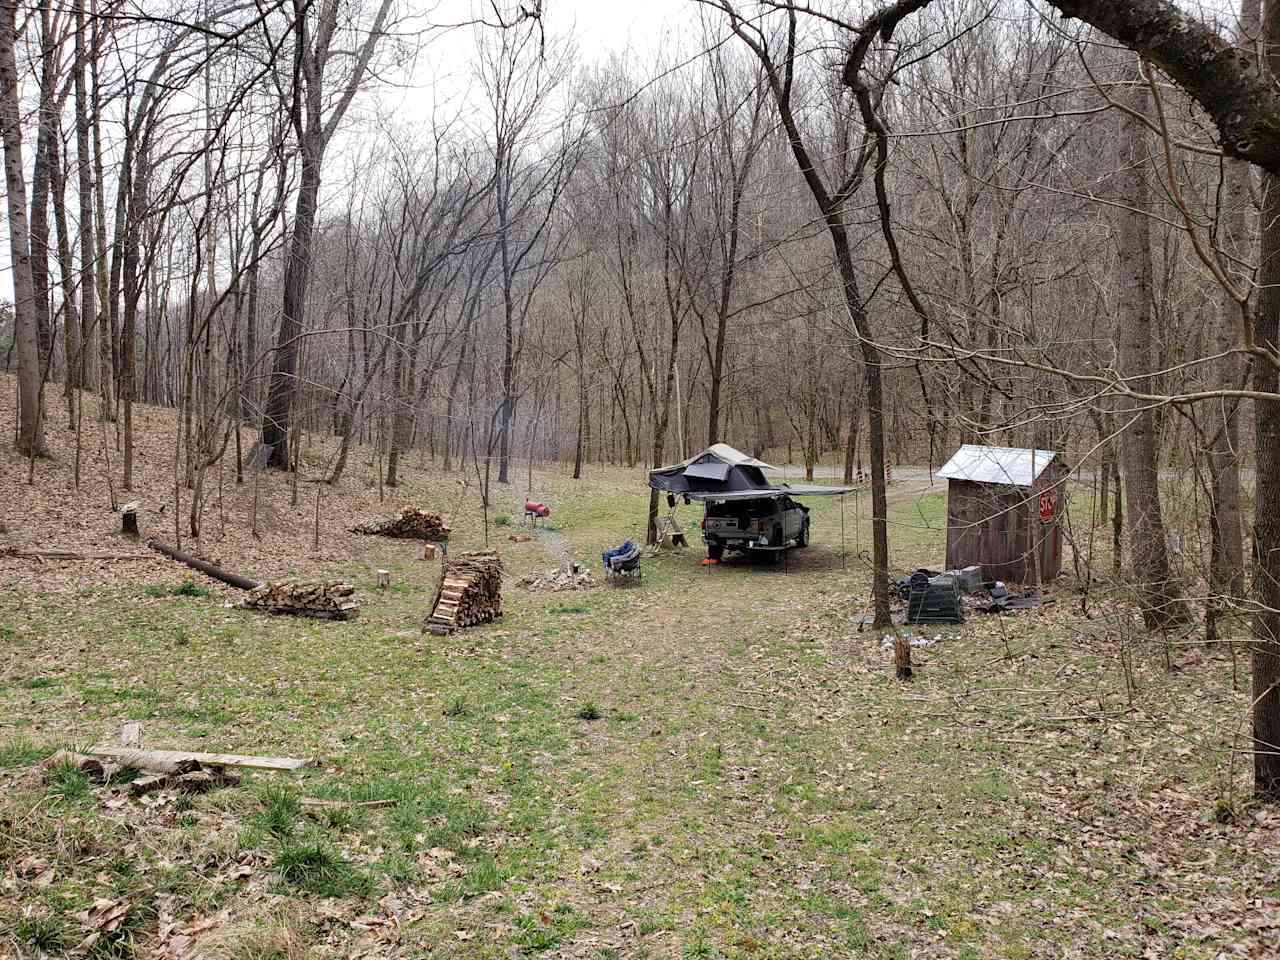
[714,764]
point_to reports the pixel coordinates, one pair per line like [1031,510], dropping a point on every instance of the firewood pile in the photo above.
[557,580]
[325,599]
[470,592]
[411,524]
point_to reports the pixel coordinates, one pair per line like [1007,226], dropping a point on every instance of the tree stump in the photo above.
[129,520]
[384,579]
[902,657]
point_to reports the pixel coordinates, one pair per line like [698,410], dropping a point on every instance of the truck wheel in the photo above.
[715,551]
[804,534]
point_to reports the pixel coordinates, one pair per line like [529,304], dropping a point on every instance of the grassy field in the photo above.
[712,763]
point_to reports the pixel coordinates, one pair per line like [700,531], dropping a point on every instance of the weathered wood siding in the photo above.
[999,527]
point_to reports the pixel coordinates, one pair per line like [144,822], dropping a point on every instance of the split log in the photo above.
[208,569]
[148,784]
[325,599]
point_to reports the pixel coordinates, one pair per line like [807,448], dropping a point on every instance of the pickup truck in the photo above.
[763,525]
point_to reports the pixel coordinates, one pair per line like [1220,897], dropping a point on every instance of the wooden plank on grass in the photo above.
[126,754]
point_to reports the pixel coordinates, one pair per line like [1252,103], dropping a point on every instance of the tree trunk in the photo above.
[40,184]
[284,376]
[1236,243]
[66,270]
[314,132]
[1265,650]
[84,174]
[106,348]
[1158,595]
[30,376]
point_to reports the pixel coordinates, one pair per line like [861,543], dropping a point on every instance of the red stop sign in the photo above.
[1048,500]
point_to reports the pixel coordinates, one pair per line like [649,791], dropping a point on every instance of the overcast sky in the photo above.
[598,28]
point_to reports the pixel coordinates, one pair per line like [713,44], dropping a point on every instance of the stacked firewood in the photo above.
[470,592]
[411,524]
[327,599]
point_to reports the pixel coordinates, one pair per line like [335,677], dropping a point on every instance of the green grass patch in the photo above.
[43,933]
[187,588]
[22,753]
[280,811]
[311,864]
[65,780]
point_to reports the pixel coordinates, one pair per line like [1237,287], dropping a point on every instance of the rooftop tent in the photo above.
[722,473]
[719,468]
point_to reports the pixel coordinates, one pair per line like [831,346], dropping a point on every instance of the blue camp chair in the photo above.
[622,561]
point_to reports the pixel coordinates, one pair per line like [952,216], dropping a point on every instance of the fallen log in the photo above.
[208,569]
[22,554]
[154,759]
[199,780]
[151,761]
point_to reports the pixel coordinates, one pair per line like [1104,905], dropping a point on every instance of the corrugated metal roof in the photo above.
[1012,466]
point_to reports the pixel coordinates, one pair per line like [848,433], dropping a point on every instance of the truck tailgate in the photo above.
[723,525]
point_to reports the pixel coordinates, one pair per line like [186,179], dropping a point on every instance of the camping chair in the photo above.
[623,562]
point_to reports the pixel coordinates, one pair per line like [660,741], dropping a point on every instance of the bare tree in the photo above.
[519,81]
[833,200]
[314,123]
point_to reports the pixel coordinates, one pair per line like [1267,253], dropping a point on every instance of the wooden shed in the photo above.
[1003,507]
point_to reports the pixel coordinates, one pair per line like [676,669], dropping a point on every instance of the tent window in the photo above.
[707,471]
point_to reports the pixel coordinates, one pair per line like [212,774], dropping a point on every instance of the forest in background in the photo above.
[854,232]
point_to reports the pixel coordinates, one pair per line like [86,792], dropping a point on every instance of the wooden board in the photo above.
[123,754]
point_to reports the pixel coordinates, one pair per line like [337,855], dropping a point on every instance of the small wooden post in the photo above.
[129,519]
[902,657]
[384,579]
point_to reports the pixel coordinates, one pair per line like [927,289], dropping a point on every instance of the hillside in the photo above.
[53,513]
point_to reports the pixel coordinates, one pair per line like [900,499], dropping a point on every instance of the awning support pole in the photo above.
[842,550]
